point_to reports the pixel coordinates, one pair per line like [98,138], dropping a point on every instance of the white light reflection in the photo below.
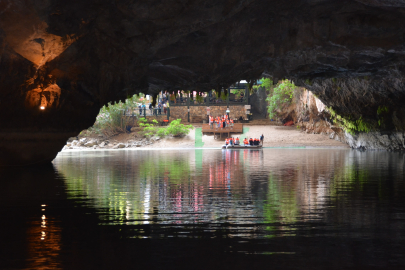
[146,203]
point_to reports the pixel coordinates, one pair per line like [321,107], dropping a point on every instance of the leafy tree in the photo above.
[282,94]
[238,93]
[267,83]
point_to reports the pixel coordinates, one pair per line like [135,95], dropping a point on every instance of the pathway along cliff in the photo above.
[61,60]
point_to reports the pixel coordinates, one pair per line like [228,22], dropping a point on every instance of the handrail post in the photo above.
[188,108]
[227,97]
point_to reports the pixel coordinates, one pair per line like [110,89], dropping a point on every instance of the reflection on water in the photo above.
[288,208]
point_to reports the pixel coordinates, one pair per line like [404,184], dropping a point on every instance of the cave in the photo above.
[60,61]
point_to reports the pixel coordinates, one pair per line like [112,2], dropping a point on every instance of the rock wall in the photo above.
[376,141]
[258,98]
[73,57]
[312,117]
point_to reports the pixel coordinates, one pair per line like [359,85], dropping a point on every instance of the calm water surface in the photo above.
[206,209]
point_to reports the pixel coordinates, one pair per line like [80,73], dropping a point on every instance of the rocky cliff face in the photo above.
[72,57]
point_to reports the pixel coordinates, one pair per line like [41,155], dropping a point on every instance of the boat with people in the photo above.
[242,146]
[233,143]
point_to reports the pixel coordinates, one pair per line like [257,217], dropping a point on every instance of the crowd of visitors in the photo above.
[221,121]
[154,110]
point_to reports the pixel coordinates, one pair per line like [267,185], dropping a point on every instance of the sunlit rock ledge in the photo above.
[69,58]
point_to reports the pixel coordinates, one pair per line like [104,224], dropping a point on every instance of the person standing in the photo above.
[261,139]
[150,108]
[144,108]
[160,108]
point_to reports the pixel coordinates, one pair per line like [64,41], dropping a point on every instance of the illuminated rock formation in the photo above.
[72,57]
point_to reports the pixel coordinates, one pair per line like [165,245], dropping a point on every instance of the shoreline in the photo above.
[274,137]
[208,148]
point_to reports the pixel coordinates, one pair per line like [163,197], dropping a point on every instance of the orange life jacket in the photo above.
[245,141]
[227,141]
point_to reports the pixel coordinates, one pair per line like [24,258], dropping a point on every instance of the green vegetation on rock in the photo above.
[350,125]
[109,120]
[281,95]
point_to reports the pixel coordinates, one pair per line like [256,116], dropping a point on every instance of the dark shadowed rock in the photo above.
[72,57]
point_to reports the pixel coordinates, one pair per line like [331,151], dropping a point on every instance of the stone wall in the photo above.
[178,112]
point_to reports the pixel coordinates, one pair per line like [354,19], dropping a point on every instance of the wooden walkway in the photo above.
[237,128]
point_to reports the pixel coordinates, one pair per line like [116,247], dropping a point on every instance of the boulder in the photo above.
[82,141]
[90,143]
[71,139]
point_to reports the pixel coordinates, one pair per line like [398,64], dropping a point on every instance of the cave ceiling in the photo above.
[61,60]
[147,46]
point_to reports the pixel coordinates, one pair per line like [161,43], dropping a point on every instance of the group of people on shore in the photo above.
[221,121]
[251,141]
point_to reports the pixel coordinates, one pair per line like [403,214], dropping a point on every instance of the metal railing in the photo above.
[208,101]
[146,112]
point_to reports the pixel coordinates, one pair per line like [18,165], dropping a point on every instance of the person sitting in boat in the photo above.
[237,141]
[226,141]
[250,141]
[231,141]
[245,141]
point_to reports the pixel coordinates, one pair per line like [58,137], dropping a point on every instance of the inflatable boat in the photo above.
[242,146]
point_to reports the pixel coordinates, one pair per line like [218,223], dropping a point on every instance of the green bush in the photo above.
[161,132]
[109,121]
[282,94]
[176,129]
[148,129]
